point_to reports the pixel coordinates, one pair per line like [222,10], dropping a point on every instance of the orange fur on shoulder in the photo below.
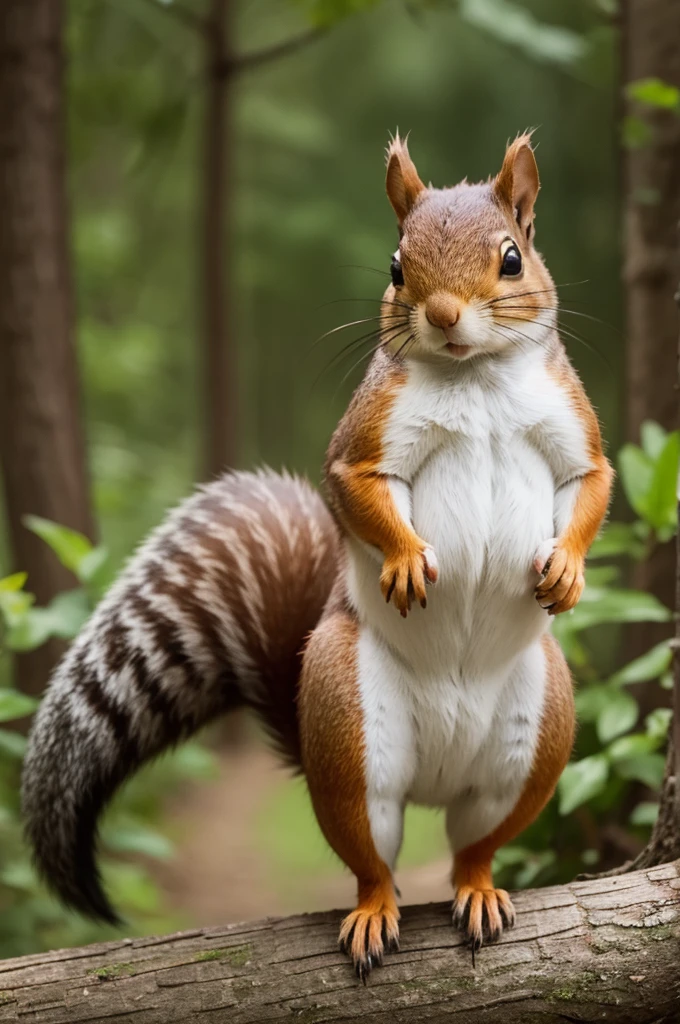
[360,492]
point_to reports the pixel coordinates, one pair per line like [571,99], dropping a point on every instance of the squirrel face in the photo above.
[466,267]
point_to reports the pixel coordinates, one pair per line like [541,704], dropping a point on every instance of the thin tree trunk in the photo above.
[651,49]
[42,449]
[220,441]
[589,951]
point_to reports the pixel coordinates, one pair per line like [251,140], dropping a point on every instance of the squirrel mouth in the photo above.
[459,351]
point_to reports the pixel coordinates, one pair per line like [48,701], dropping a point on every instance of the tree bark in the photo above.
[42,449]
[220,437]
[589,951]
[651,30]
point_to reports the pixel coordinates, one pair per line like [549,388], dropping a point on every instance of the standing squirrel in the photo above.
[396,647]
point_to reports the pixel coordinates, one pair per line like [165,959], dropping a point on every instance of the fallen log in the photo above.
[600,950]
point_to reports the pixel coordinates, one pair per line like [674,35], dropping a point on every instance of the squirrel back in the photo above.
[211,613]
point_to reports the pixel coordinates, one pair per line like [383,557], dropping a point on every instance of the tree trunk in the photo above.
[218,356]
[589,951]
[651,49]
[42,449]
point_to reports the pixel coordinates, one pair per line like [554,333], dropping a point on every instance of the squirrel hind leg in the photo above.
[362,825]
[372,929]
[481,911]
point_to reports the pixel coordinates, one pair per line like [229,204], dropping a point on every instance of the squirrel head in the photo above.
[466,266]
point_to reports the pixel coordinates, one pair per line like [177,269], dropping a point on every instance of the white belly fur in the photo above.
[453,695]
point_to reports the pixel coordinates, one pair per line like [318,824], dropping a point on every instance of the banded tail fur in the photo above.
[211,613]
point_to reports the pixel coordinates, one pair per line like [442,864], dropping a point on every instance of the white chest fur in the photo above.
[481,461]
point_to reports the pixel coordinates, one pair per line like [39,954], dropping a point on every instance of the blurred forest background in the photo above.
[191,193]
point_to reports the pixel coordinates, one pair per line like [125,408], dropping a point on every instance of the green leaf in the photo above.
[15,705]
[63,617]
[651,665]
[636,470]
[93,566]
[606,604]
[581,781]
[30,631]
[69,546]
[139,839]
[13,744]
[619,714]
[661,499]
[515,26]
[645,813]
[13,583]
[14,605]
[602,575]
[19,875]
[635,133]
[591,700]
[628,747]
[655,92]
[645,768]
[67,612]
[616,539]
[657,723]
[653,438]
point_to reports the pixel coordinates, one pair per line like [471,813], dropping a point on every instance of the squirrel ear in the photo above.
[517,184]
[402,183]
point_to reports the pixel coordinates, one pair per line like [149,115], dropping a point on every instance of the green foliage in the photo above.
[23,626]
[613,751]
[31,919]
[655,93]
[515,26]
[649,92]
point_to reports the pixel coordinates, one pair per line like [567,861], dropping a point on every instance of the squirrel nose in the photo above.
[442,310]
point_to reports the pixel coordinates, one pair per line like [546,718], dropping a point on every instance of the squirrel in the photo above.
[395,642]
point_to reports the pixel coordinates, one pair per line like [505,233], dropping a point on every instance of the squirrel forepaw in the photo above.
[405,576]
[543,553]
[562,580]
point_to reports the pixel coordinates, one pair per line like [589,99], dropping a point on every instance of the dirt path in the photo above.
[225,871]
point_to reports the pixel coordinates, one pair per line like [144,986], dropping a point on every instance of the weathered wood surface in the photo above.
[602,950]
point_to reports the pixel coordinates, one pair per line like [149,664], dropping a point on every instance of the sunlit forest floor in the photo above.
[249,847]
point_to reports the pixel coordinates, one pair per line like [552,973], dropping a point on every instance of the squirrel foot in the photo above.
[562,579]
[482,914]
[366,934]
[406,575]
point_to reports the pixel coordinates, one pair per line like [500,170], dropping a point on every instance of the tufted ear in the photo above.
[402,183]
[516,185]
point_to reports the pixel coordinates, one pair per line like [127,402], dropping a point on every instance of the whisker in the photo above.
[357,266]
[561,330]
[410,338]
[558,309]
[356,342]
[380,302]
[383,342]
[539,291]
[356,323]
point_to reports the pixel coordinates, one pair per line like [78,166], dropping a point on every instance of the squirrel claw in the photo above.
[406,575]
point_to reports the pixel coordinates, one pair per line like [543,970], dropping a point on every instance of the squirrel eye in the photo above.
[512,262]
[396,271]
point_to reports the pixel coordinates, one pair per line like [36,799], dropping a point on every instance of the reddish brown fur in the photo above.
[563,583]
[359,492]
[450,244]
[450,252]
[333,759]
[402,181]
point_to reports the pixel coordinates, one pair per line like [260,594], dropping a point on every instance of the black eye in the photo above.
[512,262]
[396,271]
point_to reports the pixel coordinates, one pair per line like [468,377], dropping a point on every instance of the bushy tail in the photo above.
[210,613]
